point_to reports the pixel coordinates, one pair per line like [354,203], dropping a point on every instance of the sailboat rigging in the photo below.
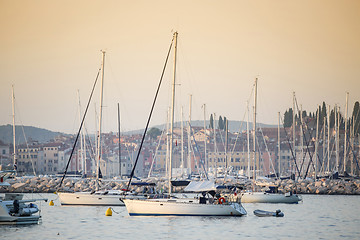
[206,205]
[149,118]
[13,209]
[79,131]
[98,197]
[270,196]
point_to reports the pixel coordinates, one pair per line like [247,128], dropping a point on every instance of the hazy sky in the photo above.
[51,49]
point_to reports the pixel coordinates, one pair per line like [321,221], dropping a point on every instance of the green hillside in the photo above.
[31,133]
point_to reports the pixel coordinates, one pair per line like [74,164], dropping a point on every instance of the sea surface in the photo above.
[317,217]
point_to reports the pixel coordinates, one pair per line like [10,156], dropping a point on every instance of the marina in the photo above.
[210,120]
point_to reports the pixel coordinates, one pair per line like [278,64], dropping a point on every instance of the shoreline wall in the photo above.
[50,185]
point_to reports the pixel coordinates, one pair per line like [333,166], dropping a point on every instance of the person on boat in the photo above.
[202,199]
[16,207]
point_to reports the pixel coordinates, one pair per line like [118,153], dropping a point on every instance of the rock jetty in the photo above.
[50,185]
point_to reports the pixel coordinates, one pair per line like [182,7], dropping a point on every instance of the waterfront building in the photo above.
[5,157]
[28,156]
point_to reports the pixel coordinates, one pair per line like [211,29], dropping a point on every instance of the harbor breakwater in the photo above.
[51,185]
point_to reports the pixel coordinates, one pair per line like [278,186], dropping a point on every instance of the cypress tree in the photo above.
[221,123]
[323,111]
[211,122]
[356,118]
[332,119]
[319,114]
[288,118]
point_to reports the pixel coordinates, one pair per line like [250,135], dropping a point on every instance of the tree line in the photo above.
[353,119]
[221,122]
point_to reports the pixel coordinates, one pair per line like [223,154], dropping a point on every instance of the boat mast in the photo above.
[94,149]
[226,147]
[294,132]
[345,137]
[353,158]
[279,153]
[301,135]
[316,142]
[172,112]
[81,138]
[84,153]
[254,129]
[215,153]
[189,136]
[328,140]
[167,143]
[337,124]
[323,145]
[13,119]
[205,158]
[248,138]
[119,141]
[98,151]
[182,143]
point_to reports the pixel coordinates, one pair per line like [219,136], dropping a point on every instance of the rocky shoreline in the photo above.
[50,185]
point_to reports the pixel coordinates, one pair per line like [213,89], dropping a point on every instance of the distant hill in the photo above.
[42,135]
[234,126]
[32,133]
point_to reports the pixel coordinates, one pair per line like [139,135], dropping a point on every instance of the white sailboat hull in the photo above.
[165,207]
[94,199]
[261,197]
[86,198]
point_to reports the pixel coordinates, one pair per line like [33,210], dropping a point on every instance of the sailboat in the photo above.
[205,204]
[270,196]
[208,204]
[98,197]
[13,209]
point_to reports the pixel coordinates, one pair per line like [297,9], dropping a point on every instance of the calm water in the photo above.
[317,217]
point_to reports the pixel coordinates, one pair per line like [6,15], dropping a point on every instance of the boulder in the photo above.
[338,189]
[311,188]
[68,184]
[33,184]
[356,191]
[321,190]
[348,190]
[78,185]
[318,184]
[18,185]
[303,189]
[289,181]
[303,184]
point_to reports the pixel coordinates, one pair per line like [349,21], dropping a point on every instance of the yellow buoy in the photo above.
[51,203]
[108,212]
